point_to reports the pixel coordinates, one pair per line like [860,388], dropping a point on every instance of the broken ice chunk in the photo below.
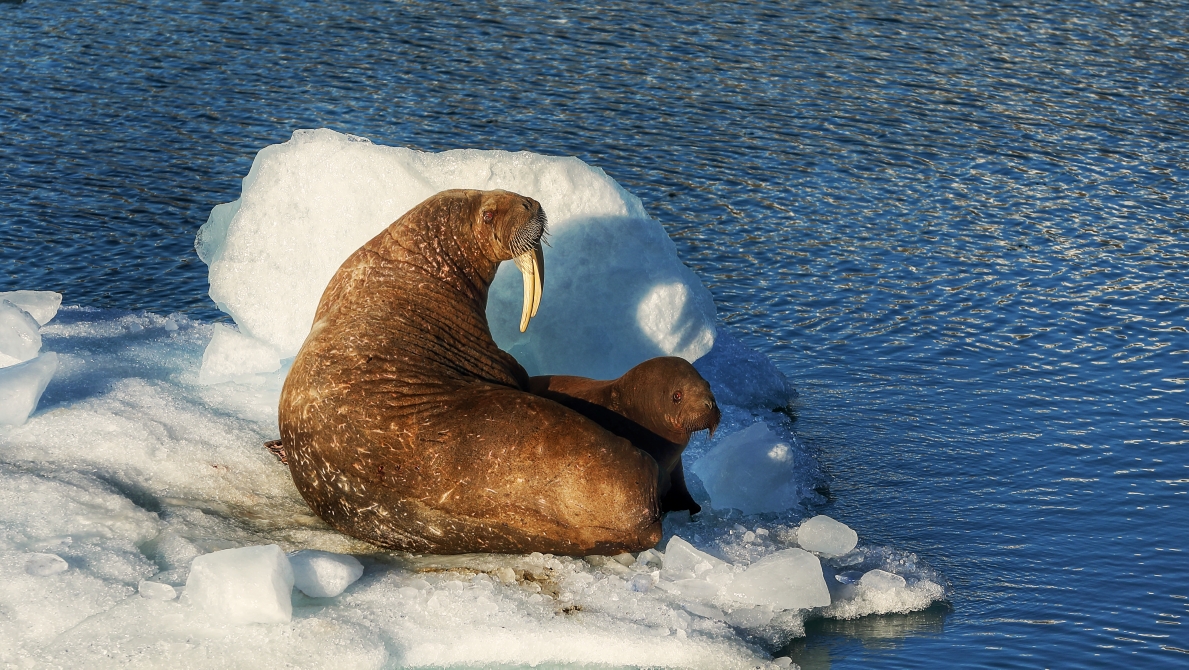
[751,617]
[697,589]
[681,556]
[156,590]
[322,574]
[19,339]
[41,305]
[244,585]
[640,583]
[880,580]
[21,387]
[826,537]
[43,565]
[751,470]
[789,579]
[704,610]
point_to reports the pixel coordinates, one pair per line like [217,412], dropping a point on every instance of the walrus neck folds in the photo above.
[440,250]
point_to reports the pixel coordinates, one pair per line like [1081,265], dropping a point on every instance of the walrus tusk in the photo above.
[532,273]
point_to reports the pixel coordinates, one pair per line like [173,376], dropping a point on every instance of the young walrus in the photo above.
[656,406]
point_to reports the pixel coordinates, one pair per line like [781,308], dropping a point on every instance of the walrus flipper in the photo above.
[678,498]
[277,450]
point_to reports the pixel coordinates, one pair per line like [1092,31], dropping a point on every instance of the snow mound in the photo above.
[615,294]
[745,375]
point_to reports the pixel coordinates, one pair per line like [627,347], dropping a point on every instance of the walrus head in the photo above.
[515,226]
[677,400]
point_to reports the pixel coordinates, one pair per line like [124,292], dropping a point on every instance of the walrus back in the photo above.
[405,425]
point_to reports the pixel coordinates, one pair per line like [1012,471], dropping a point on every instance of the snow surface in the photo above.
[615,291]
[131,469]
[122,492]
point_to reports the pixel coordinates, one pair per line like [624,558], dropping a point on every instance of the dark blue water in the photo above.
[960,227]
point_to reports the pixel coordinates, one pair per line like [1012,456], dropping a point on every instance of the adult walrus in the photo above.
[406,426]
[657,406]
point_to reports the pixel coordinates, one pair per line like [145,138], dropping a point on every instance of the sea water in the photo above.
[958,228]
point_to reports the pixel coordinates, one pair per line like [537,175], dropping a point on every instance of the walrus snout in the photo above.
[705,420]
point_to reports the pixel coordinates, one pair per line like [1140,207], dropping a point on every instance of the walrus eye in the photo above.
[677,396]
[487,217]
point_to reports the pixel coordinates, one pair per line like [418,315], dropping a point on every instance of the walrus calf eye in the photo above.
[677,396]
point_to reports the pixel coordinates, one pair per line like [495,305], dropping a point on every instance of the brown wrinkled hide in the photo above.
[406,426]
[656,405]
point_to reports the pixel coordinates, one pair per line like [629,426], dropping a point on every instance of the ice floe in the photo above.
[142,523]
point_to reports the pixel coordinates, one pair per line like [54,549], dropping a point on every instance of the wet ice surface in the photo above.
[132,473]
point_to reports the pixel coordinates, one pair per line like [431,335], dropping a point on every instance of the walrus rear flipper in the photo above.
[277,450]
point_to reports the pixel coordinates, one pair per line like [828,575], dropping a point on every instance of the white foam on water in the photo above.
[133,473]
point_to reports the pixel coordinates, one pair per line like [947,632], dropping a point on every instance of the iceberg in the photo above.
[309,203]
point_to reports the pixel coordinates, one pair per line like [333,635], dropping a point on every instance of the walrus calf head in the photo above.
[669,391]
[512,227]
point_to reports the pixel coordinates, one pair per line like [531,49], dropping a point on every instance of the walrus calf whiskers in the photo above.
[405,425]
